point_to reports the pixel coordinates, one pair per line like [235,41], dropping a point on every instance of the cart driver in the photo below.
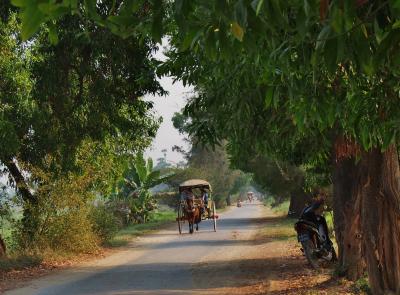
[204,197]
[187,194]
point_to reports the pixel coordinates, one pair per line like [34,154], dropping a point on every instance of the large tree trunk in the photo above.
[2,248]
[347,211]
[379,190]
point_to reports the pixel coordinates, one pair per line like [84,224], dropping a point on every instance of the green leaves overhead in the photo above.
[124,18]
[317,46]
[31,15]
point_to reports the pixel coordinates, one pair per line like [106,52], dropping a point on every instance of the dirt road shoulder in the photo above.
[270,262]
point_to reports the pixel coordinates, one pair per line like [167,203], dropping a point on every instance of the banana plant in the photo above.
[138,181]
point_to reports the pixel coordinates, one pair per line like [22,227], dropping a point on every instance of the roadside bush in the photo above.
[104,222]
[220,202]
[361,286]
[59,221]
[60,227]
[170,199]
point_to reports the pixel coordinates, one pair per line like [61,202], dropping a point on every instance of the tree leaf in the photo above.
[322,37]
[53,35]
[364,30]
[157,24]
[149,165]
[269,96]
[20,3]
[241,13]
[330,54]
[307,8]
[257,5]
[237,31]
[32,18]
[140,167]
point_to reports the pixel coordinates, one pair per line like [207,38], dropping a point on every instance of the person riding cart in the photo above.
[195,200]
[187,194]
[204,198]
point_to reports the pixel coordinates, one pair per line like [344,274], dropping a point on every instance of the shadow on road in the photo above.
[170,278]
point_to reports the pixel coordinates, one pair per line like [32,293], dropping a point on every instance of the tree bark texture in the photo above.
[379,192]
[347,213]
[2,247]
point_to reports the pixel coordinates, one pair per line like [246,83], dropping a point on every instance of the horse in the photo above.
[193,214]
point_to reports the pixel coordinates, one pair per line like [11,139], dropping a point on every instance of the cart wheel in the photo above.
[180,218]
[214,217]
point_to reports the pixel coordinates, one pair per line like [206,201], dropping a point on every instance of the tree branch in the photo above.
[20,183]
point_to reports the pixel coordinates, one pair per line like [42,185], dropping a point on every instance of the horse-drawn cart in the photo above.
[189,207]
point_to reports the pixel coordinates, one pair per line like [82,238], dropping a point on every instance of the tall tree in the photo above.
[328,65]
[87,86]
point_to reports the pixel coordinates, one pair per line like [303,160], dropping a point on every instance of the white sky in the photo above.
[167,135]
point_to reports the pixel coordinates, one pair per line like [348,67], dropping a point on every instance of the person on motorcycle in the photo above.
[313,213]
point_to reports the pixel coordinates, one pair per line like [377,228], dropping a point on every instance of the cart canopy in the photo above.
[194,183]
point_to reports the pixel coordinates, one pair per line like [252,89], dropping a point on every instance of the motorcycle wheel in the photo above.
[309,250]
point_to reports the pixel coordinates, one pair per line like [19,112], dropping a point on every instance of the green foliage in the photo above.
[63,218]
[280,208]
[105,223]
[156,219]
[60,220]
[213,166]
[123,18]
[361,286]
[17,106]
[6,210]
[133,192]
[71,113]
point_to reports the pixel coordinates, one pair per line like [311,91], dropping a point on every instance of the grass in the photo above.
[279,228]
[281,209]
[361,286]
[124,236]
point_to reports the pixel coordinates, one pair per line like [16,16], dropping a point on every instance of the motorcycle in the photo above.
[239,204]
[317,248]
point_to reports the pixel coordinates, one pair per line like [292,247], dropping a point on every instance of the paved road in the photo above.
[163,263]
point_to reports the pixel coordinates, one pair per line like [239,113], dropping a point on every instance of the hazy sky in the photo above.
[167,135]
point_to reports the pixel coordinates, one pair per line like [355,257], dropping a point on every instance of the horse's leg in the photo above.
[191,225]
[197,218]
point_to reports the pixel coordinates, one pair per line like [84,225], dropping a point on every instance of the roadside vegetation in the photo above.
[157,220]
[302,94]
